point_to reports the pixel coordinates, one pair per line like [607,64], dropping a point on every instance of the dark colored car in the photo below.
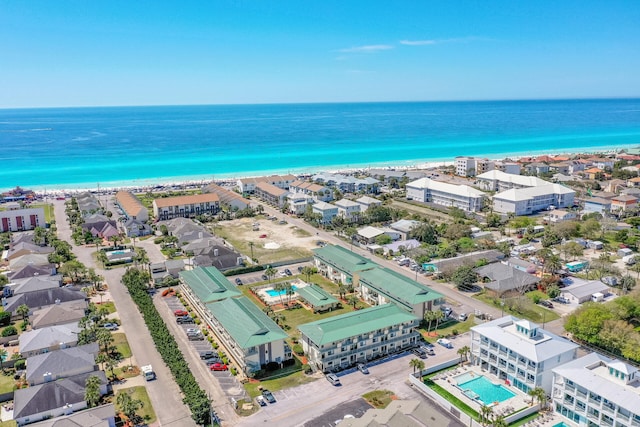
[180,313]
[207,354]
[288,272]
[265,277]
[195,337]
[268,396]
[238,281]
[363,368]
[184,319]
[546,303]
[421,353]
[210,361]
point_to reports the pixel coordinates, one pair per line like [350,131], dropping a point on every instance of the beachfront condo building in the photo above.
[131,206]
[248,185]
[327,211]
[190,206]
[348,209]
[14,218]
[359,336]
[472,166]
[496,180]
[347,183]
[519,352]
[527,201]
[444,194]
[595,390]
[317,192]
[227,197]
[271,194]
[251,338]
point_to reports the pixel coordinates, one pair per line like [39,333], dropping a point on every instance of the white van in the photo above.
[445,343]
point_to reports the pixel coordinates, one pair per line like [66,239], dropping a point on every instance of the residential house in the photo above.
[88,203]
[63,363]
[316,191]
[359,336]
[615,185]
[327,211]
[24,248]
[388,175]
[366,202]
[575,166]
[596,390]
[623,203]
[186,206]
[562,168]
[602,163]
[271,194]
[634,182]
[252,338]
[444,194]
[536,168]
[102,229]
[227,197]
[298,203]
[593,173]
[499,181]
[48,339]
[53,399]
[211,252]
[348,209]
[380,286]
[317,299]
[41,298]
[131,206]
[526,201]
[596,204]
[400,246]
[185,230]
[339,264]
[519,351]
[30,284]
[500,280]
[581,291]
[470,259]
[31,259]
[30,270]
[163,270]
[57,314]
[405,413]
[13,218]
[404,227]
[99,416]
[347,184]
[369,234]
[507,167]
[136,228]
[560,215]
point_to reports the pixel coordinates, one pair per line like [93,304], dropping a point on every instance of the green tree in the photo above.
[353,300]
[416,364]
[23,310]
[587,321]
[307,271]
[73,269]
[425,233]
[464,277]
[270,272]
[553,291]
[552,264]
[627,283]
[3,356]
[538,394]
[92,391]
[485,414]
[383,239]
[128,405]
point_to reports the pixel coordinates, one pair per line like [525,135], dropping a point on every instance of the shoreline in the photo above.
[150,184]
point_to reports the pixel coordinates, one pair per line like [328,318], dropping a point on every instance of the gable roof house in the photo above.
[271,194]
[41,298]
[99,416]
[63,363]
[317,298]
[88,203]
[31,259]
[169,268]
[24,248]
[348,209]
[54,398]
[48,339]
[103,229]
[211,253]
[131,206]
[30,284]
[57,314]
[316,191]
[227,197]
[327,211]
[404,227]
[505,279]
[368,202]
[136,228]
[30,270]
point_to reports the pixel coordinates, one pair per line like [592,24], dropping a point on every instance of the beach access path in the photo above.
[164,393]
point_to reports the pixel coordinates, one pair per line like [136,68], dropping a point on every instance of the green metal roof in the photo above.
[316,296]
[352,324]
[209,284]
[343,259]
[245,322]
[397,287]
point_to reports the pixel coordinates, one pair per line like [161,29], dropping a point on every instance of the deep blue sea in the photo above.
[87,147]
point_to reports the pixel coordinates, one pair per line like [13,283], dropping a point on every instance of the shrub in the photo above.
[297,349]
[9,330]
[272,366]
[20,364]
[242,270]
[5,318]
[454,332]
[234,372]
[306,369]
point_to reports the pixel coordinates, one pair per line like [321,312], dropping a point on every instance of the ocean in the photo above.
[136,146]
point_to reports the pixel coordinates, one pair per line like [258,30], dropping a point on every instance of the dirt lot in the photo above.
[272,241]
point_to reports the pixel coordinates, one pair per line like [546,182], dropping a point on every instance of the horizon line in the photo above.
[327,103]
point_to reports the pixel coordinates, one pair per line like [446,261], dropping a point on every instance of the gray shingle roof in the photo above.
[58,362]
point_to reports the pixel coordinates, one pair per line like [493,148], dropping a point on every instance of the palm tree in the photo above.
[342,289]
[280,287]
[3,357]
[485,414]
[353,300]
[92,391]
[23,310]
[270,272]
[538,394]
[553,264]
[307,271]
[416,364]
[288,288]
[429,317]
[102,258]
[499,421]
[438,316]
[128,405]
[462,352]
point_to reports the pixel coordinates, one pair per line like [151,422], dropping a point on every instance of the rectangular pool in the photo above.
[274,293]
[480,388]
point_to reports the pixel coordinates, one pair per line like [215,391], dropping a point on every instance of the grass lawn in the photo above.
[125,372]
[10,423]
[448,328]
[379,399]
[533,312]
[140,393]
[286,381]
[121,343]
[48,211]
[109,305]
[451,398]
[6,383]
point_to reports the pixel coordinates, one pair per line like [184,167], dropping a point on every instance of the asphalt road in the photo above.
[164,393]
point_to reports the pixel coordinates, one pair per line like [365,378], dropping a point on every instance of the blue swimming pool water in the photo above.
[561,424]
[485,390]
[274,293]
[120,252]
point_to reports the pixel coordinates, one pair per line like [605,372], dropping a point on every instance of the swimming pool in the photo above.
[480,388]
[274,293]
[126,251]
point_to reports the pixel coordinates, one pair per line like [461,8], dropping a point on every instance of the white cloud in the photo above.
[418,42]
[439,41]
[367,49]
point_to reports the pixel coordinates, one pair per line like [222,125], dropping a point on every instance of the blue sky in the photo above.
[79,53]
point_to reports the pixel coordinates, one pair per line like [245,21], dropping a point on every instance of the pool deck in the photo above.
[273,300]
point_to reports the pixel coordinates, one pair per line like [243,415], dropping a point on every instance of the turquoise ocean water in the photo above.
[84,147]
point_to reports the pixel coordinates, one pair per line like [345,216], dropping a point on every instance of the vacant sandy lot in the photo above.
[270,241]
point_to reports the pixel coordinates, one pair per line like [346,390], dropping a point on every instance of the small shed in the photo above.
[596,244]
[623,252]
[319,299]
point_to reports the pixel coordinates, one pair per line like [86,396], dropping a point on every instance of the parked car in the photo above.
[300,268]
[421,353]
[446,310]
[288,272]
[283,274]
[430,351]
[546,303]
[260,400]
[333,379]
[363,368]
[180,313]
[445,342]
[193,331]
[462,317]
[210,361]
[184,319]
[268,396]
[218,367]
[195,337]
[207,354]
[265,277]
[238,281]
[110,326]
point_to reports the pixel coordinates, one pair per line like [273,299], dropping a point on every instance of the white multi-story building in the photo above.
[327,210]
[318,192]
[441,193]
[472,166]
[165,208]
[520,352]
[348,209]
[248,185]
[526,201]
[17,219]
[595,390]
[368,202]
[496,180]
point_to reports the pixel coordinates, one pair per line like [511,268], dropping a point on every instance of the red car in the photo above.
[180,313]
[263,236]
[218,367]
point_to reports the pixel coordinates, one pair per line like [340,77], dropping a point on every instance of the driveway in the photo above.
[164,393]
